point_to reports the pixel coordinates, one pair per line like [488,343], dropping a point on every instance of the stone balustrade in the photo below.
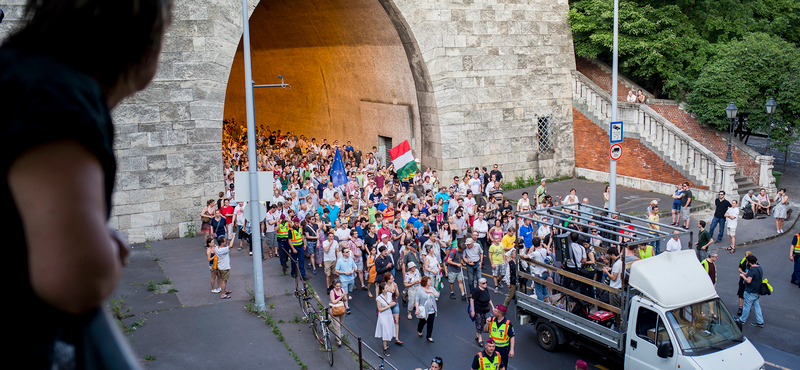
[708,171]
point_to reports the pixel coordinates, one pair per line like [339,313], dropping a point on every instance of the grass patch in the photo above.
[166,281]
[272,306]
[156,259]
[135,325]
[147,243]
[150,357]
[172,290]
[191,230]
[270,321]
[151,286]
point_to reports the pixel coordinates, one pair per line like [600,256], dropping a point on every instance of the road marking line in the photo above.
[777,366]
[601,367]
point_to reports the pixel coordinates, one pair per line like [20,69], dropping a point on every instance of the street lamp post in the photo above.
[771,106]
[731,110]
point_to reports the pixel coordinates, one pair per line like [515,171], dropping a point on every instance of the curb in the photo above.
[767,238]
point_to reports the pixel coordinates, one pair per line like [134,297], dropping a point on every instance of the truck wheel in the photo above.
[547,337]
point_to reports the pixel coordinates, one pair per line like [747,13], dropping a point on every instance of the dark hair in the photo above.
[702,224]
[386,276]
[751,259]
[103,39]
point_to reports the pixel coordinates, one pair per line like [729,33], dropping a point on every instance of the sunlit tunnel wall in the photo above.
[349,73]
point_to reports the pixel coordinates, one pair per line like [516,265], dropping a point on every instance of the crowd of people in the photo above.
[427,232]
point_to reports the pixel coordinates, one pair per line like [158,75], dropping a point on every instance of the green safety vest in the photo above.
[283,230]
[297,237]
[500,332]
[705,266]
[648,252]
[797,245]
[486,365]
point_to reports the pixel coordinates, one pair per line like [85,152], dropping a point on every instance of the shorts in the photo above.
[396,309]
[359,266]
[224,275]
[457,275]
[499,270]
[731,231]
[311,249]
[685,212]
[330,268]
[676,206]
[271,238]
[348,286]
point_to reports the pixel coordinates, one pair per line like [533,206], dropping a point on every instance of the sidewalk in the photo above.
[194,328]
[635,202]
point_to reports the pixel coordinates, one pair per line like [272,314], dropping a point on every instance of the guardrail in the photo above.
[692,158]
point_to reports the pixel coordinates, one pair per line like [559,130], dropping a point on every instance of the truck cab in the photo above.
[677,321]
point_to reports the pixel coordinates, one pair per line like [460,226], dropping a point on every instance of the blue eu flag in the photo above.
[338,175]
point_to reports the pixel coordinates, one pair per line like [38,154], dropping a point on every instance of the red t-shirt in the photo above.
[225,211]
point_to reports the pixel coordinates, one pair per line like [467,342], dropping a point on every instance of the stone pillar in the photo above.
[765,178]
[728,183]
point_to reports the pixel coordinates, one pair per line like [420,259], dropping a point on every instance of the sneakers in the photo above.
[496,291]
[452,295]
[240,248]
[757,324]
[251,253]
[409,315]
[350,297]
[216,290]
[348,311]
[463,297]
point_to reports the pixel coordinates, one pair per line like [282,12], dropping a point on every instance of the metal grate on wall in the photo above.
[544,133]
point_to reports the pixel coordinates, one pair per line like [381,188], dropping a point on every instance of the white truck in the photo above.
[671,318]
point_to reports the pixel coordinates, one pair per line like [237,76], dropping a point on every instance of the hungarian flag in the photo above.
[403,161]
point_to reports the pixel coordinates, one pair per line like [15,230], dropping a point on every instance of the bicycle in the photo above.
[318,324]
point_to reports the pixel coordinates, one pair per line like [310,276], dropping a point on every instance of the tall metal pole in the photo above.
[255,214]
[612,190]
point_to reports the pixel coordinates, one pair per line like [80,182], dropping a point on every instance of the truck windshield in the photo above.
[704,327]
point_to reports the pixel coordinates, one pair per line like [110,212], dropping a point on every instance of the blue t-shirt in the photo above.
[446,198]
[526,233]
[677,202]
[346,265]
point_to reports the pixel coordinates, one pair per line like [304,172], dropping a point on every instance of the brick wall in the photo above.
[601,78]
[591,151]
[705,135]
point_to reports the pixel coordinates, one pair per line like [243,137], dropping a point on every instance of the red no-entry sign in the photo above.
[615,152]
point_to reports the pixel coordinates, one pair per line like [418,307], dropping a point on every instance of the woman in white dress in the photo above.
[431,265]
[384,327]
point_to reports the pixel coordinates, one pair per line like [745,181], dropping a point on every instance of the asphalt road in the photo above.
[454,332]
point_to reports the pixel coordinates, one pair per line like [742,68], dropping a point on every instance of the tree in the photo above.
[665,44]
[748,72]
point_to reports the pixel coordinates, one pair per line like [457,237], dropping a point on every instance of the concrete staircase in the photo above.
[744,184]
[706,170]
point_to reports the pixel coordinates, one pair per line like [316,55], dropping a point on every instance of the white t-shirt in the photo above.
[475,186]
[481,226]
[731,224]
[578,253]
[330,255]
[223,254]
[538,255]
[239,212]
[342,234]
[673,245]
[616,269]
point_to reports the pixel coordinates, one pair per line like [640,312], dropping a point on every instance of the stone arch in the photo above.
[483,70]
[355,70]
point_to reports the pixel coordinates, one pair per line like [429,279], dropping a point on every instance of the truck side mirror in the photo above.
[665,349]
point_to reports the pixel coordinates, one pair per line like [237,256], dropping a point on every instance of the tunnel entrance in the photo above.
[348,67]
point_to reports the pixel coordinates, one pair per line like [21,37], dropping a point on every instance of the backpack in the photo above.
[748,214]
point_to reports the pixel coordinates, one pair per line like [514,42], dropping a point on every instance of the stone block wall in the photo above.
[484,71]
[495,66]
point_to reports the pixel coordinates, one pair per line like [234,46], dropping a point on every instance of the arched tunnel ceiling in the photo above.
[349,72]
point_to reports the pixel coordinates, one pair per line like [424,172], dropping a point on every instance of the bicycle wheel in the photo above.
[328,347]
[316,326]
[299,294]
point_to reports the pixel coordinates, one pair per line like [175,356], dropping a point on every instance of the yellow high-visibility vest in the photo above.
[500,332]
[485,363]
